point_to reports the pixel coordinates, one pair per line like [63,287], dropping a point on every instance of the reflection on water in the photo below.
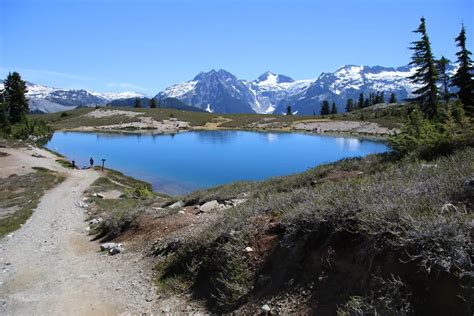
[180,163]
[347,143]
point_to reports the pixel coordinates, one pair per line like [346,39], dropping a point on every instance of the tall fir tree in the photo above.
[334,108]
[426,74]
[360,103]
[463,76]
[138,103]
[366,103]
[153,104]
[349,105]
[288,110]
[14,98]
[442,63]
[393,98]
[325,108]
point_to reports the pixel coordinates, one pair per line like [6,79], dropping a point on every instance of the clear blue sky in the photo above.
[117,45]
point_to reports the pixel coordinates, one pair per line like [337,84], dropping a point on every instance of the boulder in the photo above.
[248,249]
[209,206]
[178,204]
[98,195]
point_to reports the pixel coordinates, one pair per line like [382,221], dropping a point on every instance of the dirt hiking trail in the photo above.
[50,267]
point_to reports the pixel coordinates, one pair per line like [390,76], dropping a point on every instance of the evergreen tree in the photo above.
[463,76]
[360,103]
[426,74]
[4,122]
[14,97]
[443,77]
[288,110]
[153,103]
[366,103]
[393,98]
[382,97]
[350,105]
[325,108]
[334,108]
[138,103]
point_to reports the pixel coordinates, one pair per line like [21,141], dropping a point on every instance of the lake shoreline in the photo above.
[177,173]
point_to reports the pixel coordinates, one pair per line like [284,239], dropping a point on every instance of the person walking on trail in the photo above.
[92,162]
[73,164]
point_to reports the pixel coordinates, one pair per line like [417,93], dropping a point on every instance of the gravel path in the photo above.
[50,266]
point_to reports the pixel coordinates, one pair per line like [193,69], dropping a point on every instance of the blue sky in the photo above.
[145,46]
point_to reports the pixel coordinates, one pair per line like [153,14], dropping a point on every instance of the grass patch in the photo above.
[379,209]
[65,163]
[20,195]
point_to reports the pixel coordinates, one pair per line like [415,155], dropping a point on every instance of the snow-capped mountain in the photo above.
[47,99]
[216,91]
[221,92]
[270,89]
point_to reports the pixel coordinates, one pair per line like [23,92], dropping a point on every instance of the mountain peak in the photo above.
[271,78]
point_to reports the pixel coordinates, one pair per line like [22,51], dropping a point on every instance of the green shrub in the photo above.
[141,192]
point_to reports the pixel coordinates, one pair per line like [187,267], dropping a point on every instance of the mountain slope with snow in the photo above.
[46,99]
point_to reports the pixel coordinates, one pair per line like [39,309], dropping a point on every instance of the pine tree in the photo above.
[138,103]
[463,76]
[153,103]
[14,96]
[366,103]
[393,98]
[443,77]
[288,110]
[350,105]
[360,103]
[334,108]
[382,97]
[426,74]
[325,108]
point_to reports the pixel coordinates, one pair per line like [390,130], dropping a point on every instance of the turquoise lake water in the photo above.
[184,162]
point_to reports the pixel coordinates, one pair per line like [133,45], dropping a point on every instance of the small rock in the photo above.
[265,308]
[248,249]
[98,195]
[115,250]
[178,204]
[209,206]
[109,245]
[95,221]
[181,212]
[469,187]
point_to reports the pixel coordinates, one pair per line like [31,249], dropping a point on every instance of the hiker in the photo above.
[92,162]
[73,164]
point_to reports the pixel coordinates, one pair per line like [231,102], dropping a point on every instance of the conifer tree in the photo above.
[366,103]
[443,77]
[325,108]
[393,98]
[425,75]
[138,103]
[153,103]
[463,76]
[288,110]
[14,97]
[350,105]
[334,108]
[360,103]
